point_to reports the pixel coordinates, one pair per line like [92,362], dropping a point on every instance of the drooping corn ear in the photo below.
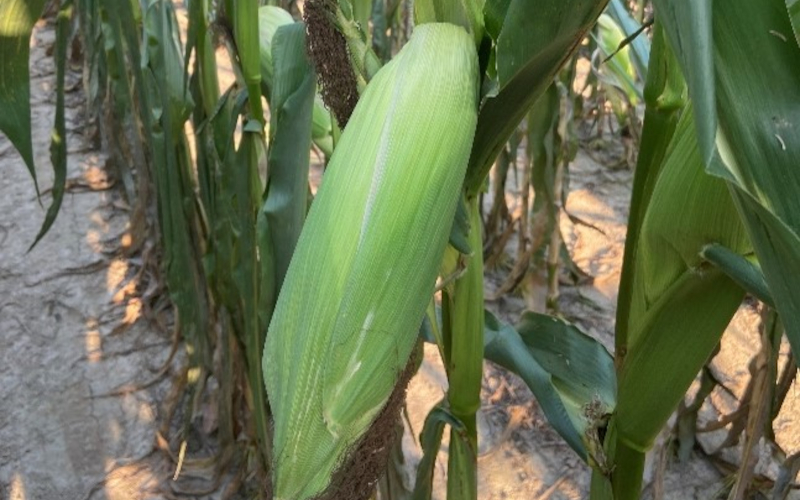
[365,266]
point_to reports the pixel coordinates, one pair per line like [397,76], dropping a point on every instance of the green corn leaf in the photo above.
[322,127]
[163,89]
[380,26]
[688,29]
[163,37]
[204,87]
[567,371]
[665,97]
[292,102]
[462,460]
[17,18]
[533,40]
[744,271]
[673,305]
[794,14]
[680,332]
[58,141]
[268,291]
[640,45]
[362,9]
[748,136]
[459,234]
[365,266]
[582,369]
[270,18]
[571,374]
[246,273]
[119,85]
[242,254]
[431,440]
[619,71]
[679,308]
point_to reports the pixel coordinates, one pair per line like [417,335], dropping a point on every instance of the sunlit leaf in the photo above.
[58,140]
[17,18]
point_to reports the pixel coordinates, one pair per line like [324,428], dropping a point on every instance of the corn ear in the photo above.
[365,265]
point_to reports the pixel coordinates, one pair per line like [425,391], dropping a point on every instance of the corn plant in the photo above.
[309,320]
[673,308]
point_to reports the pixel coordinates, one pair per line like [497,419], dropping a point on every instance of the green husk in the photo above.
[365,266]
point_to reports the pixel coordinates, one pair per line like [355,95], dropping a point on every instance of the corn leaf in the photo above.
[533,40]
[794,15]
[292,104]
[665,97]
[204,87]
[58,141]
[462,459]
[459,234]
[688,29]
[749,137]
[163,33]
[618,71]
[119,89]
[640,45]
[242,176]
[17,18]
[270,18]
[581,367]
[679,308]
[676,305]
[362,9]
[744,271]
[380,29]
[567,371]
[163,89]
[431,440]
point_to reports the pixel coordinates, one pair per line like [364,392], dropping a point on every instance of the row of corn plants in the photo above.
[309,321]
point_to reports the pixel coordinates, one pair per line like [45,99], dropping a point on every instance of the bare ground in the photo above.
[69,323]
